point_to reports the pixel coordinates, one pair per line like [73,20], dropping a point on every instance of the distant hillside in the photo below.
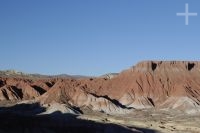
[15,73]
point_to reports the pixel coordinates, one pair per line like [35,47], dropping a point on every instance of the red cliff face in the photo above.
[160,84]
[149,84]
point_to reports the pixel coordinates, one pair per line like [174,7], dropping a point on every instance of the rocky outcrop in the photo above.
[149,84]
[14,89]
[153,83]
[71,92]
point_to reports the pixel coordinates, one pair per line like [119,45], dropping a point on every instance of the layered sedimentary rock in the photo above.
[162,84]
[72,92]
[22,88]
[149,84]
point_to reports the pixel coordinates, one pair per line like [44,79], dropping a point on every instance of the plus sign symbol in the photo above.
[186,14]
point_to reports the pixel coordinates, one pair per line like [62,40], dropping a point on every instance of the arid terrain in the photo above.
[150,97]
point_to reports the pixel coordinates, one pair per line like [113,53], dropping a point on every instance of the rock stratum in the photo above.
[163,85]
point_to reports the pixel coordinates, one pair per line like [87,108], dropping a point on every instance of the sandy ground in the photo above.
[147,120]
[158,121]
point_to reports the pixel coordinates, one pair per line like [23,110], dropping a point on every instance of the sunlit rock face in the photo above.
[148,84]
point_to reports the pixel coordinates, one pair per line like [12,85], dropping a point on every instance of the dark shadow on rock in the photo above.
[56,122]
[153,66]
[117,103]
[50,84]
[2,83]
[190,66]
[151,101]
[77,109]
[5,94]
[39,89]
[17,92]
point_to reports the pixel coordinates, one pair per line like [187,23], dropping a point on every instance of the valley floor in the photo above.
[152,121]
[28,118]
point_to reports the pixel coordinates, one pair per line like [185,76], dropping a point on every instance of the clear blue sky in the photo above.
[93,37]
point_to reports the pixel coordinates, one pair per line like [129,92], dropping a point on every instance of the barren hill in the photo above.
[149,84]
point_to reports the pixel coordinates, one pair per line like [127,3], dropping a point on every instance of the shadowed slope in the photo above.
[28,121]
